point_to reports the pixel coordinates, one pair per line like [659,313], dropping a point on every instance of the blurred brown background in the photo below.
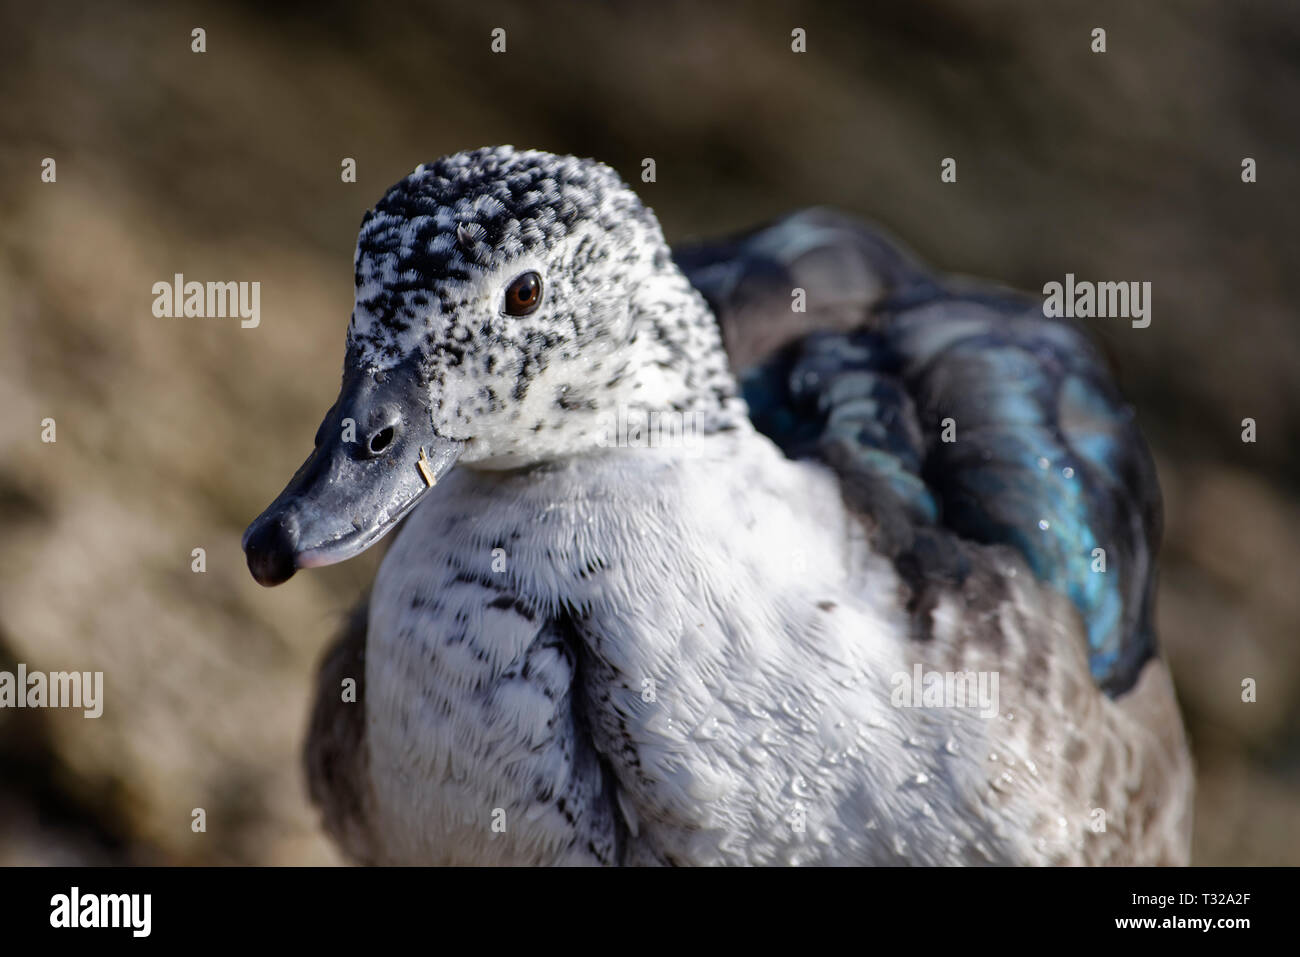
[173,434]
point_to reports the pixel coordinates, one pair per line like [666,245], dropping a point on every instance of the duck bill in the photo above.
[376,456]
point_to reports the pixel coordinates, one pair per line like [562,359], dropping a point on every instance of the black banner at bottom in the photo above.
[338,906]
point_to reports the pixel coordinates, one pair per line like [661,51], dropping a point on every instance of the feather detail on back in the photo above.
[948,411]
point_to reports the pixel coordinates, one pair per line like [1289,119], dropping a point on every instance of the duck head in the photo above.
[509,306]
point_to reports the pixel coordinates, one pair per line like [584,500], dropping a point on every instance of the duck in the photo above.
[778,549]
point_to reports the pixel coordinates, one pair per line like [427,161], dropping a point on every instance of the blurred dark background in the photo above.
[173,434]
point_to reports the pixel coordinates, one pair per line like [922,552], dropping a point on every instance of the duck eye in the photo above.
[523,294]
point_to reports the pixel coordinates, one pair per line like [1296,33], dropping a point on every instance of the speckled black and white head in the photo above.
[509,305]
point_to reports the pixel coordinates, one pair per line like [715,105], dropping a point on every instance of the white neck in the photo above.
[664,607]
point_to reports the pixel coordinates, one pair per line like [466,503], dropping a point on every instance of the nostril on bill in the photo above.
[381,440]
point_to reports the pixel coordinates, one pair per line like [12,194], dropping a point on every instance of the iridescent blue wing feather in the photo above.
[952,413]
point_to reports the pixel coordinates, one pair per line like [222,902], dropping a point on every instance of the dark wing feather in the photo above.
[335,753]
[1047,457]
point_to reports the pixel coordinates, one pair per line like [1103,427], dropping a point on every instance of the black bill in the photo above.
[361,479]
